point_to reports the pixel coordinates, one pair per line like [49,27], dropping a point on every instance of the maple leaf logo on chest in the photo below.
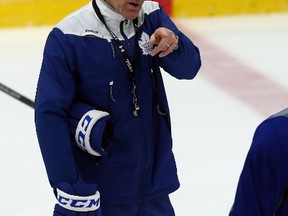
[144,44]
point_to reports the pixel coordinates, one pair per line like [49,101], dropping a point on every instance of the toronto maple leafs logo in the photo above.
[144,44]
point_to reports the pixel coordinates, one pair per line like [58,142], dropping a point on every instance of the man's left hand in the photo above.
[164,42]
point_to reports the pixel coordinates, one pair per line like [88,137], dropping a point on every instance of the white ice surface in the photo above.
[212,130]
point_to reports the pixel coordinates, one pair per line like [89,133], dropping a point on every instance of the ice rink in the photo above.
[243,80]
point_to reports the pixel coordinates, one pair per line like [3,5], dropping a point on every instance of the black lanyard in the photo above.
[131,65]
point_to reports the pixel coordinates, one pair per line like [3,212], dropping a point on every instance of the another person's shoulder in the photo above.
[283,113]
[271,136]
[276,124]
[278,119]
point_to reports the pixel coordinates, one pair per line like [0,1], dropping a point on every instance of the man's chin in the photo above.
[131,15]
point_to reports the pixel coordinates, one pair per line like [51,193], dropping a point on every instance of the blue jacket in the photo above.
[262,187]
[81,63]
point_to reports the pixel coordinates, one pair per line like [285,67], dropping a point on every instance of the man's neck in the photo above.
[108,5]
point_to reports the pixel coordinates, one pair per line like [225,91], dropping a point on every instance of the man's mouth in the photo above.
[133,4]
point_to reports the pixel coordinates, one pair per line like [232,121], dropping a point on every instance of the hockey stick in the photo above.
[16,95]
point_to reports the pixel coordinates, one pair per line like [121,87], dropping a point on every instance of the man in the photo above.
[262,187]
[101,112]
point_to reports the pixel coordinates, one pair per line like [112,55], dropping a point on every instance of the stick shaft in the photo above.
[16,95]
